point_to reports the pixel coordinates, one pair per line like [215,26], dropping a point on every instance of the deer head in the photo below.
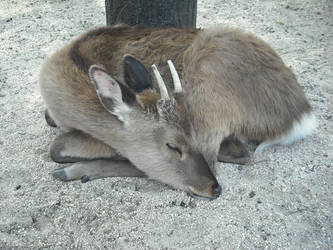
[152,134]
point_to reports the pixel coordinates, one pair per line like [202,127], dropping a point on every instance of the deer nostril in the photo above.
[217,190]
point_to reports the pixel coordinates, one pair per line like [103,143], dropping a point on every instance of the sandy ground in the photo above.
[283,201]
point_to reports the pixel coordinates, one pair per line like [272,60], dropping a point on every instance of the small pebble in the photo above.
[192,204]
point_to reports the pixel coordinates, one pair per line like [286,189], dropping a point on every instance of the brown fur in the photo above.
[148,99]
[234,84]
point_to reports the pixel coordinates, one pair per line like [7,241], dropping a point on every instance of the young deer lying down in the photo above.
[118,121]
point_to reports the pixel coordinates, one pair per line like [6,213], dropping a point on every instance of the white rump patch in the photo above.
[301,129]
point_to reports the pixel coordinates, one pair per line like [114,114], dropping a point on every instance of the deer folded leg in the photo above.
[90,170]
[232,150]
[76,146]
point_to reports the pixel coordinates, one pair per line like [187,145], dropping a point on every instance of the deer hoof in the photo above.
[85,179]
[60,174]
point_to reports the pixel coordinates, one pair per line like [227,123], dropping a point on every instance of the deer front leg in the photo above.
[233,150]
[91,170]
[76,146]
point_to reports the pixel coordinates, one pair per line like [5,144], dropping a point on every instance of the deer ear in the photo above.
[109,93]
[138,79]
[136,75]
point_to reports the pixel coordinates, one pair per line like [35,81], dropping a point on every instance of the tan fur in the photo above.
[234,85]
[148,99]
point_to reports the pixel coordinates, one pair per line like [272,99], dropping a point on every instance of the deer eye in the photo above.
[174,148]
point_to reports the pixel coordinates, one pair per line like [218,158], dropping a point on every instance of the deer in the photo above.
[168,103]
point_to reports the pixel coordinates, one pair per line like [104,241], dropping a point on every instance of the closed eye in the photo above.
[173,148]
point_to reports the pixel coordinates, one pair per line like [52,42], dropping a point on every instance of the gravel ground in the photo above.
[282,201]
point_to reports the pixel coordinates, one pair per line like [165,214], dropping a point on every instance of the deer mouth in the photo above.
[208,194]
[204,198]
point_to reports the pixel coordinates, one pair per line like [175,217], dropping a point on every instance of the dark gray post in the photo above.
[157,13]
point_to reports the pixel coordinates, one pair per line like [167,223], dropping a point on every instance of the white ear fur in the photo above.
[109,93]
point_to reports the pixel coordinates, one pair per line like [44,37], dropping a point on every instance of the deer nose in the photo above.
[216,190]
